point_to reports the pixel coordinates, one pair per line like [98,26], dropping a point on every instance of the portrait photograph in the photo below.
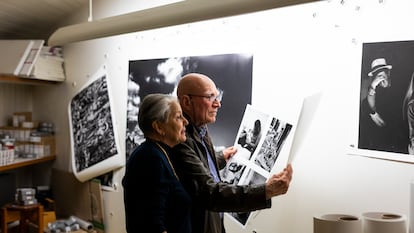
[386,116]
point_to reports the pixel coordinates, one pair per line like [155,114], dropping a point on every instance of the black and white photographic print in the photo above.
[232,74]
[252,127]
[94,141]
[233,172]
[272,144]
[259,142]
[386,116]
[252,177]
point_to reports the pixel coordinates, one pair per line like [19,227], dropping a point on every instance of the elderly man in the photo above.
[197,163]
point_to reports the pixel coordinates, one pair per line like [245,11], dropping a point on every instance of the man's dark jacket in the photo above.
[210,198]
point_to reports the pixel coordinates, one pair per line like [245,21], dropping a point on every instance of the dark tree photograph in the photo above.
[232,74]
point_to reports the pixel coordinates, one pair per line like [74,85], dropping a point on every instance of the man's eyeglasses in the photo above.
[211,97]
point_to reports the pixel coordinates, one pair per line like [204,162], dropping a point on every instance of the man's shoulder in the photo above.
[189,145]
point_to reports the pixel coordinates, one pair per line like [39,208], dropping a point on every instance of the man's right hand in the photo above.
[278,184]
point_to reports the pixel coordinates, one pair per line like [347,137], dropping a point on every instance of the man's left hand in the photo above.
[229,152]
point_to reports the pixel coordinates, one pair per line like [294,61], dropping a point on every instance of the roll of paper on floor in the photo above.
[383,222]
[82,223]
[337,223]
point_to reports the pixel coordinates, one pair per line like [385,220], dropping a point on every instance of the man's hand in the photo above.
[229,152]
[278,184]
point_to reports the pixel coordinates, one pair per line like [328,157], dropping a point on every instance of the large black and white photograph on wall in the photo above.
[94,141]
[232,74]
[386,113]
[260,140]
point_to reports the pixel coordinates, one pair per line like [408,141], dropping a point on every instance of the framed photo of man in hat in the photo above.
[383,129]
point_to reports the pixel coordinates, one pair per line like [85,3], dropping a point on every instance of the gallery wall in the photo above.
[13,98]
[310,53]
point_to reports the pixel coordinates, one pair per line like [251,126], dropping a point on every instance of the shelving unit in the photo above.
[26,162]
[9,78]
[18,95]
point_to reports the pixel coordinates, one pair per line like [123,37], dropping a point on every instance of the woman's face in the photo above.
[174,128]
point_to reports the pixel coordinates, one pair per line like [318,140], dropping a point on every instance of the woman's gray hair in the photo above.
[154,107]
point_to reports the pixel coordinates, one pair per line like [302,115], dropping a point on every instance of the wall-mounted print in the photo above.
[232,74]
[386,116]
[260,140]
[94,141]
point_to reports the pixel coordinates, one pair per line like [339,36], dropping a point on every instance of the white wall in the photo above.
[298,51]
[14,98]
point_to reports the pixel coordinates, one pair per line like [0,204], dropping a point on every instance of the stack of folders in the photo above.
[32,59]
[49,64]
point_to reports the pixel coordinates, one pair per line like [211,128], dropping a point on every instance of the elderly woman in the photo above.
[155,201]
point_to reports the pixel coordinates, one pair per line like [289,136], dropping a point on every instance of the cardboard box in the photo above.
[48,217]
[20,117]
[18,133]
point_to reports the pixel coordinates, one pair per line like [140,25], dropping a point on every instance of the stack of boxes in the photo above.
[29,139]
[26,196]
[6,150]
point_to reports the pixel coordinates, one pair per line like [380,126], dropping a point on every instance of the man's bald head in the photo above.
[193,83]
[197,94]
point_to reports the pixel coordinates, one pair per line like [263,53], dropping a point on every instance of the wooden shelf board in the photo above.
[26,162]
[8,78]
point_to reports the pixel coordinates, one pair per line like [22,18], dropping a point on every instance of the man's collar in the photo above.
[192,129]
[202,131]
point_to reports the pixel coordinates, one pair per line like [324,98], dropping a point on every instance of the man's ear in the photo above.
[185,102]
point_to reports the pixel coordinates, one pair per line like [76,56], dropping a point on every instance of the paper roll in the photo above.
[412,207]
[82,223]
[337,223]
[380,222]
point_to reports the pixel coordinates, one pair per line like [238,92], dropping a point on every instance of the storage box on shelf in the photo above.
[26,141]
[39,152]
[20,134]
[26,146]
[6,157]
[41,146]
